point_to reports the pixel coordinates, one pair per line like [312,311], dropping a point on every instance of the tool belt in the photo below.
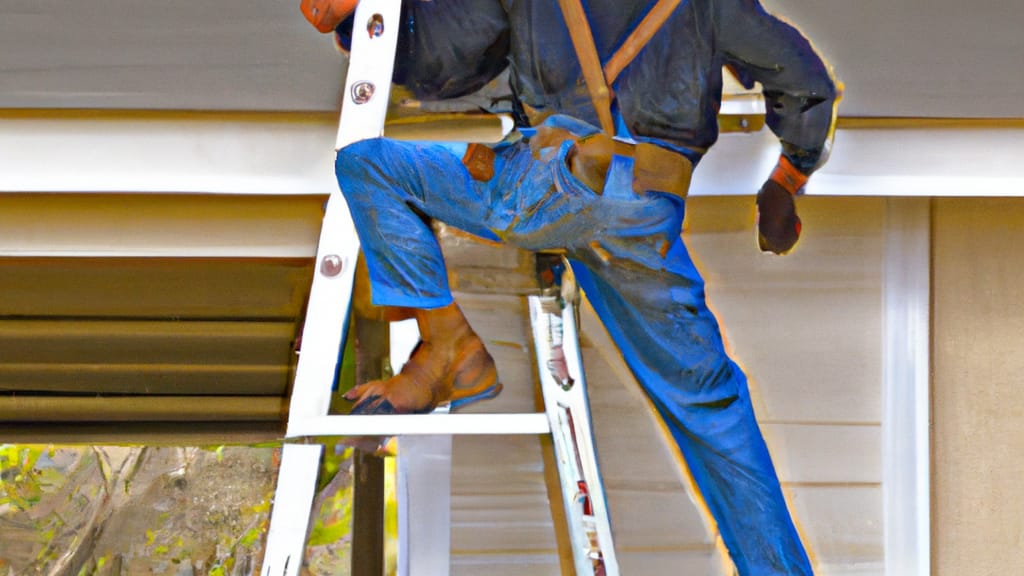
[655,168]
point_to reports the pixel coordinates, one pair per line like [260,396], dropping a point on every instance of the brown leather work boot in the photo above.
[362,300]
[450,364]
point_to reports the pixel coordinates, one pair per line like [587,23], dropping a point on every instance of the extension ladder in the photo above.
[554,326]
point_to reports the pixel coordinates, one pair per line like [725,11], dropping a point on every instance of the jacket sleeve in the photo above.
[800,93]
[446,48]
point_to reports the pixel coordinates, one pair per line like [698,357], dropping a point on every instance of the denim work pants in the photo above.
[628,257]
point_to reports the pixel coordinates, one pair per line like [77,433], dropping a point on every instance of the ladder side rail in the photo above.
[563,387]
[367,88]
[289,518]
[585,440]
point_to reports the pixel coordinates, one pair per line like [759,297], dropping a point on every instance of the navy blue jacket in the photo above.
[671,93]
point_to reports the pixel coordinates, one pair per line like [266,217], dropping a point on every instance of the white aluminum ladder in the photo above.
[553,320]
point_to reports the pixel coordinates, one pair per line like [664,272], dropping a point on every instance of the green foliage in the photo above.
[337,459]
[22,485]
[251,537]
[217,507]
[333,521]
[204,524]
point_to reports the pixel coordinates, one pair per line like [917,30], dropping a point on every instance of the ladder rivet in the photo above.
[331,265]
[375,26]
[362,92]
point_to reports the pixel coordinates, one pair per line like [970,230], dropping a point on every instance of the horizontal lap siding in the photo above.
[153,288]
[127,295]
[807,328]
[170,225]
[501,512]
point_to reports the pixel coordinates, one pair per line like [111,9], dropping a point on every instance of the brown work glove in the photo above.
[778,226]
[325,15]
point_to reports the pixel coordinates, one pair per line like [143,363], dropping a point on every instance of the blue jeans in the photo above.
[629,259]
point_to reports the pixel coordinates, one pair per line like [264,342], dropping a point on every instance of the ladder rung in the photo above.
[420,424]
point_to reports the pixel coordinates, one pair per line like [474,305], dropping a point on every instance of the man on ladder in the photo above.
[614,110]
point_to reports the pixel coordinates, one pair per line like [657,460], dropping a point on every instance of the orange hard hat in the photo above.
[325,15]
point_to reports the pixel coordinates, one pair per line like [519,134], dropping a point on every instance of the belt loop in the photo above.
[619,183]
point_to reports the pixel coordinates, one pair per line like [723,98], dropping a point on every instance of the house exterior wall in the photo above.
[977,438]
[807,329]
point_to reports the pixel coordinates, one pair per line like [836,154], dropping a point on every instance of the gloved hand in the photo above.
[325,15]
[778,226]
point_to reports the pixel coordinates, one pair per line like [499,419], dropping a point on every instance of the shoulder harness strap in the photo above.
[599,79]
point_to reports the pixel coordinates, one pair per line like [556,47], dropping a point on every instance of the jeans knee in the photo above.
[365,148]
[354,158]
[711,387]
[360,169]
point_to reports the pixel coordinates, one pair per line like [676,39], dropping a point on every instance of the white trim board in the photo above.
[906,286]
[294,154]
[896,161]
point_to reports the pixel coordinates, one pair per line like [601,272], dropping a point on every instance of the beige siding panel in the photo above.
[819,403]
[521,510]
[501,514]
[700,562]
[633,449]
[649,503]
[841,526]
[978,443]
[499,465]
[805,327]
[867,568]
[652,519]
[483,267]
[810,355]
[822,454]
[808,328]
[23,408]
[144,379]
[499,497]
[148,433]
[651,509]
[122,342]
[154,288]
[502,318]
[525,524]
[535,564]
[506,537]
[160,225]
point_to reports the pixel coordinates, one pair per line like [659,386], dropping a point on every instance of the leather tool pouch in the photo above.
[655,169]
[479,161]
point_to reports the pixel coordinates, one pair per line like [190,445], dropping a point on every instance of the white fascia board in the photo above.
[294,154]
[742,105]
[286,154]
[878,162]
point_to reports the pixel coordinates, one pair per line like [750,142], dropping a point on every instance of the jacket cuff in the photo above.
[788,176]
